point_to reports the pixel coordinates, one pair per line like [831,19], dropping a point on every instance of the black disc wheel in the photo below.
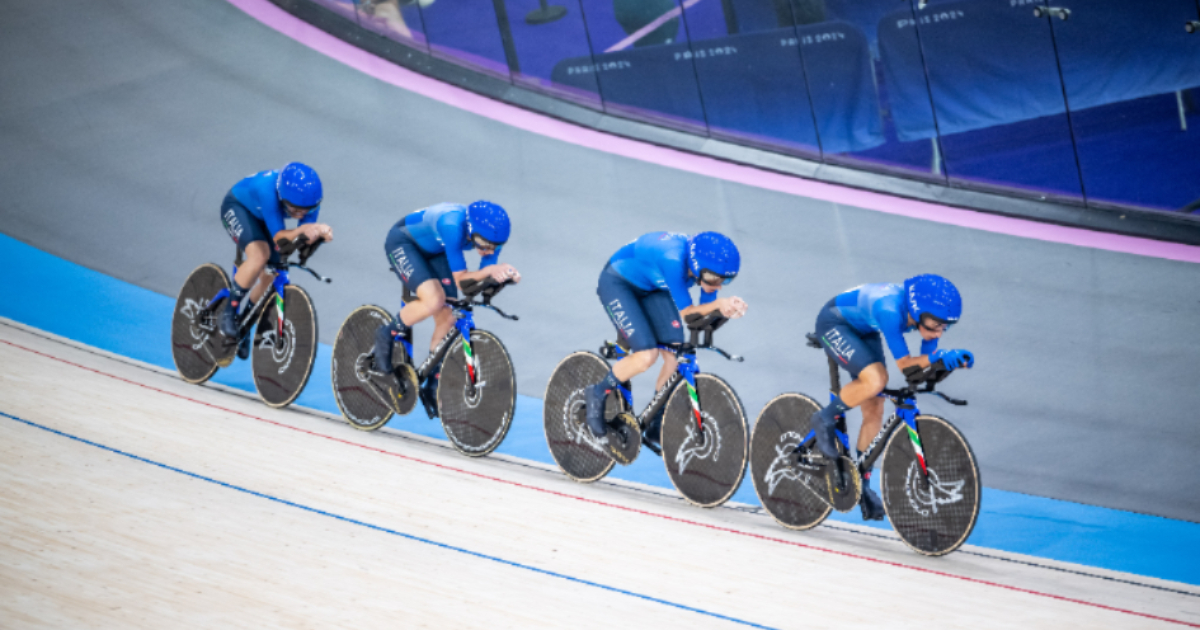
[366,398]
[706,465]
[788,492]
[564,413]
[935,509]
[197,345]
[624,438]
[476,413]
[285,346]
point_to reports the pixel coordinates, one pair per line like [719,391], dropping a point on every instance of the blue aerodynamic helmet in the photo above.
[299,185]
[932,295]
[713,254]
[488,221]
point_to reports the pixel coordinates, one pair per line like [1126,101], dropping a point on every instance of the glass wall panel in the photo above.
[640,60]
[747,60]
[398,20]
[468,32]
[868,85]
[344,8]
[998,94]
[1131,71]
[547,34]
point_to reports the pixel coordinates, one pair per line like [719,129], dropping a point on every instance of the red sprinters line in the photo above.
[624,508]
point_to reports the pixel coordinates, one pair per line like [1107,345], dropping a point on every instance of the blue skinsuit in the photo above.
[645,286]
[880,308]
[258,195]
[658,262]
[442,229]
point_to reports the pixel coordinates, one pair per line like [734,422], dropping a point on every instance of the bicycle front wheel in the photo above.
[788,493]
[476,416]
[196,343]
[285,347]
[935,513]
[564,415]
[706,465]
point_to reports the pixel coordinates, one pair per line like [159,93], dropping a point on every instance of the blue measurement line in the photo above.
[387,530]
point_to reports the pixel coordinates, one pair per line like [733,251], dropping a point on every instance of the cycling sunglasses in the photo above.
[710,278]
[294,210]
[938,326]
[483,243]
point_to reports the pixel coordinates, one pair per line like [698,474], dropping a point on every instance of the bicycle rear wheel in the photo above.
[787,492]
[476,417]
[285,347]
[564,413]
[196,343]
[934,516]
[707,467]
[367,399]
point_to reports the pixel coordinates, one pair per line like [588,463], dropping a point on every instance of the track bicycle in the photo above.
[930,479]
[284,344]
[702,434]
[477,391]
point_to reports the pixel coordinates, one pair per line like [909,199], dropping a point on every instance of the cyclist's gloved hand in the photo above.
[953,359]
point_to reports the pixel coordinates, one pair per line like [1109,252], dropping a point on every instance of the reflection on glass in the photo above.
[862,53]
[545,34]
[399,20]
[344,8]
[1130,70]
[997,94]
[468,32]
[751,79]
[641,62]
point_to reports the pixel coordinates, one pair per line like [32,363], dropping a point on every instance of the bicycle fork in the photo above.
[689,369]
[465,324]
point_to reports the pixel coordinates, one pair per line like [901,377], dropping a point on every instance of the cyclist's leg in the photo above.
[254,251]
[411,267]
[862,359]
[872,412]
[665,320]
[624,307]
[436,291]
[866,387]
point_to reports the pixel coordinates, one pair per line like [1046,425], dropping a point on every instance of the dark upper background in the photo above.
[123,123]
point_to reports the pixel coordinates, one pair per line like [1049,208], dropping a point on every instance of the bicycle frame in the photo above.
[685,371]
[278,284]
[905,402]
[464,323]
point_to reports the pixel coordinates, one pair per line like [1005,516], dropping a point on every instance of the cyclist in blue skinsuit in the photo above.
[644,289]
[254,214]
[425,249]
[853,327]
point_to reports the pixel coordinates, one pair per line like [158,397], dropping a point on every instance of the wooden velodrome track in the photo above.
[132,499]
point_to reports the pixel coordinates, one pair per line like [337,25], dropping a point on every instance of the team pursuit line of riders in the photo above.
[799,454]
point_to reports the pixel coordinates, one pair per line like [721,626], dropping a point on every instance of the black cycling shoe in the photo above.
[428,395]
[227,322]
[244,347]
[383,349]
[652,434]
[595,396]
[826,431]
[871,505]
